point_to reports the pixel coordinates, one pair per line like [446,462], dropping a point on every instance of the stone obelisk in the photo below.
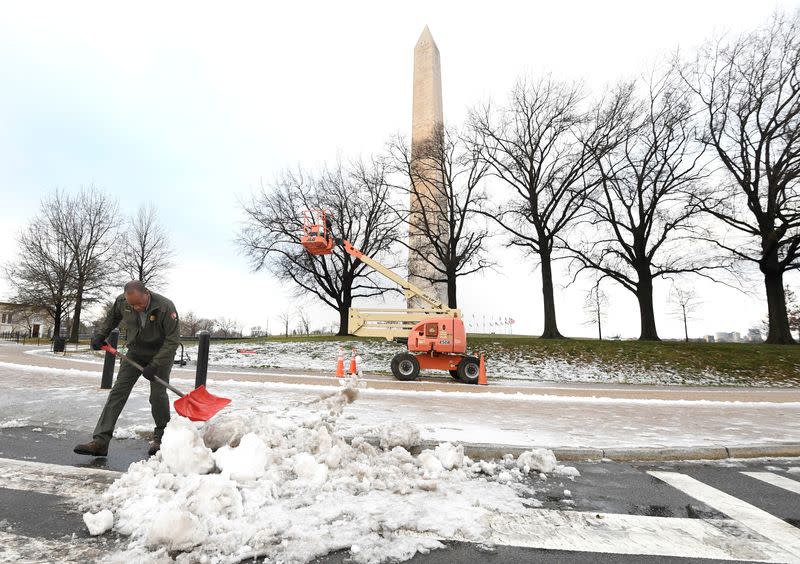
[426,191]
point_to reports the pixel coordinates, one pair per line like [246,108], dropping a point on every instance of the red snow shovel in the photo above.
[197,405]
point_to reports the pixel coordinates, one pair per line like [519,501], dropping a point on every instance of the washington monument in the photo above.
[427,207]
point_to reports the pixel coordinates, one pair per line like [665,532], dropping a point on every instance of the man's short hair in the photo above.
[135,286]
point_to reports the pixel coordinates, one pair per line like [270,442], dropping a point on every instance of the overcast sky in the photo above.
[190,105]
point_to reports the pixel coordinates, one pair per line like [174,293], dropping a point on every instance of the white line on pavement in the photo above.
[20,548]
[634,534]
[776,480]
[54,479]
[779,531]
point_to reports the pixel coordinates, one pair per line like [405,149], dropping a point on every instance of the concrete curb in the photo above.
[486,451]
[782,450]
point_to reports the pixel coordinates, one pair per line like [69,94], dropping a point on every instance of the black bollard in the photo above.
[109,361]
[203,343]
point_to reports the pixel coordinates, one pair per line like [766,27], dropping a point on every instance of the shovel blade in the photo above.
[199,405]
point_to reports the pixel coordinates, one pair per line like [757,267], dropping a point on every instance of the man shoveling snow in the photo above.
[153,337]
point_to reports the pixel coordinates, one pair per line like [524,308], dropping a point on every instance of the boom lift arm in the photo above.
[435,335]
[391,324]
[410,290]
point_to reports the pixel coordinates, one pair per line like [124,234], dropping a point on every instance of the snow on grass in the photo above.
[285,486]
[507,362]
[512,365]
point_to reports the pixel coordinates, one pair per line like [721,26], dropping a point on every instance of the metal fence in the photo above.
[22,338]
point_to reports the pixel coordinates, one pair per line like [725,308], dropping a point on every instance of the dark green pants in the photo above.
[118,396]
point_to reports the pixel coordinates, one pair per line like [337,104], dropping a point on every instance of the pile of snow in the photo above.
[98,523]
[401,433]
[134,432]
[14,423]
[183,451]
[285,486]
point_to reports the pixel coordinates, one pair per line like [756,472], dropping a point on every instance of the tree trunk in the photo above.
[779,332]
[685,327]
[599,326]
[647,317]
[550,325]
[76,316]
[57,322]
[452,299]
[344,314]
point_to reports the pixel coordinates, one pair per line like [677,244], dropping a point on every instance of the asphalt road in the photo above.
[607,490]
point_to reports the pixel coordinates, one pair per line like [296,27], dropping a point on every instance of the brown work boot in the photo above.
[155,446]
[92,448]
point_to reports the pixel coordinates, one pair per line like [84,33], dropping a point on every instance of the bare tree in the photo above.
[191,324]
[641,218]
[87,224]
[749,93]
[44,273]
[443,177]
[227,327]
[285,318]
[595,305]
[541,146]
[685,302]
[358,198]
[305,319]
[146,252]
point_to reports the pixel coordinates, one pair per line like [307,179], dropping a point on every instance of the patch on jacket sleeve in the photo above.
[174,315]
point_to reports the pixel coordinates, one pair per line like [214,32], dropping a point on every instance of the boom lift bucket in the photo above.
[317,237]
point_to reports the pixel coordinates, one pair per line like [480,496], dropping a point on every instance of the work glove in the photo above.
[148,372]
[97,342]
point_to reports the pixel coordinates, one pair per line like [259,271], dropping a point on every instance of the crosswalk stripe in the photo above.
[779,531]
[24,549]
[54,479]
[776,480]
[548,529]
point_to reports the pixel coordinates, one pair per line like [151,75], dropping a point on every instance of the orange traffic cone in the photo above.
[340,364]
[482,373]
[352,371]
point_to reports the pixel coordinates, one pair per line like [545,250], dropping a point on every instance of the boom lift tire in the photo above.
[454,374]
[405,366]
[468,370]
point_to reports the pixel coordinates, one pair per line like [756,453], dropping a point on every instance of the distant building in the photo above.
[25,320]
[723,337]
[709,338]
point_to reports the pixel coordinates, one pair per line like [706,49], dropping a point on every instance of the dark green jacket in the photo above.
[160,336]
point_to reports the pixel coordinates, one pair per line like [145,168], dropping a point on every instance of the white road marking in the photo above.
[634,534]
[779,531]
[20,548]
[776,480]
[54,479]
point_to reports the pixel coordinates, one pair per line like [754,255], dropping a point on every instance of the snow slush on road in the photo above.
[287,487]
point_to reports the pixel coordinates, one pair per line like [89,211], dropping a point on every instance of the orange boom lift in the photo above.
[435,334]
